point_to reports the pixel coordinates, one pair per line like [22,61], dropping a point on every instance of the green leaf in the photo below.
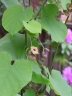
[58,84]
[14,45]
[10,2]
[13,77]
[29,92]
[33,26]
[64,3]
[13,17]
[37,77]
[35,42]
[48,89]
[56,28]
[35,66]
[32,39]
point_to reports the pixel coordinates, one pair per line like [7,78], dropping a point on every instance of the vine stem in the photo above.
[54,57]
[25,40]
[41,45]
[56,50]
[29,2]
[22,92]
[40,9]
[66,19]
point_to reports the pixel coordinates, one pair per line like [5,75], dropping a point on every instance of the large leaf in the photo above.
[10,2]
[37,77]
[14,45]
[29,92]
[13,17]
[33,26]
[56,28]
[13,77]
[59,84]
[64,3]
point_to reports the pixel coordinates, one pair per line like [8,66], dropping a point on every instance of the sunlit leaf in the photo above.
[13,17]
[33,26]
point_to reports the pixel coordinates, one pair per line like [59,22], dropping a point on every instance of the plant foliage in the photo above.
[20,73]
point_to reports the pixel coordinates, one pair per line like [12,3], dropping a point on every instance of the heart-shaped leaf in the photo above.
[13,77]
[33,26]
[13,17]
[56,28]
